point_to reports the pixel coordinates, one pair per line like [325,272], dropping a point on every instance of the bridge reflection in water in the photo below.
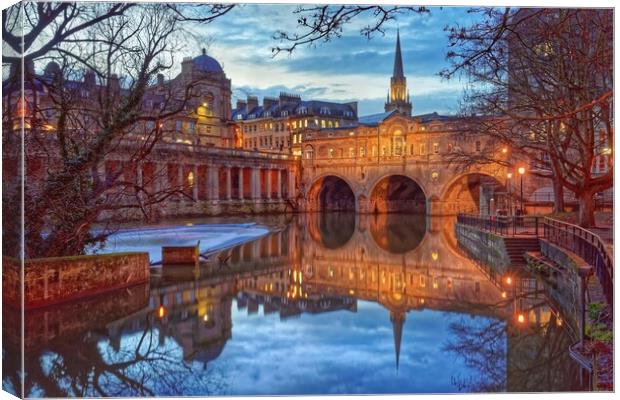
[169,337]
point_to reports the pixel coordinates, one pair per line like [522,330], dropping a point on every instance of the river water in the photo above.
[324,304]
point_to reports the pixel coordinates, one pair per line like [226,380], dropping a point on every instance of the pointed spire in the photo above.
[398,59]
[398,320]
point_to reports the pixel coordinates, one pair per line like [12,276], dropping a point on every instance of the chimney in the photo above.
[160,79]
[241,104]
[186,66]
[288,98]
[89,78]
[252,103]
[269,102]
[114,82]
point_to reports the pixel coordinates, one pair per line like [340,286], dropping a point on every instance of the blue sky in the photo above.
[346,69]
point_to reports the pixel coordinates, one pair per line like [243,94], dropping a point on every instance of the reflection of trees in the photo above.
[519,358]
[142,365]
[482,346]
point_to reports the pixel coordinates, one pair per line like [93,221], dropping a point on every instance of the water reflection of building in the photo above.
[303,270]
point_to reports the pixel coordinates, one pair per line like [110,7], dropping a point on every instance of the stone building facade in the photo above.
[277,125]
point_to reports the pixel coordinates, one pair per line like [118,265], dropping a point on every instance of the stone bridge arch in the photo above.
[331,192]
[395,192]
[474,192]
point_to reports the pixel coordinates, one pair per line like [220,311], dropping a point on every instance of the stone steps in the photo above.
[517,247]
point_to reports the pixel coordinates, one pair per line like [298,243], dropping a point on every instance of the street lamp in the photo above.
[521,172]
[508,177]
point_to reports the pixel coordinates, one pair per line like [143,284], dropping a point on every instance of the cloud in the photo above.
[347,68]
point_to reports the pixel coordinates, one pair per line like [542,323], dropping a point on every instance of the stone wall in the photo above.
[562,281]
[485,247]
[52,280]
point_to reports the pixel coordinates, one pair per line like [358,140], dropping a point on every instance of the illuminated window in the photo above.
[362,151]
[351,152]
[336,124]
[331,152]
[300,138]
[422,149]
[330,124]
[179,125]
[383,151]
[190,179]
[322,123]
[436,148]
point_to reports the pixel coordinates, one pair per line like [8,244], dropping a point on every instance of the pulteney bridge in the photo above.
[400,164]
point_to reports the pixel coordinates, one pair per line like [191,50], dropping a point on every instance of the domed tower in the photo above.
[211,99]
[398,97]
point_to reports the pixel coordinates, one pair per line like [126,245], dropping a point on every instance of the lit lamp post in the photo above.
[508,177]
[521,172]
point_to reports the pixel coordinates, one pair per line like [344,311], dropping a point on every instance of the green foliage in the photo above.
[599,332]
[595,309]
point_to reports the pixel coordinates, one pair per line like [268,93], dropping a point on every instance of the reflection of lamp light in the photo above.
[558,321]
[351,291]
[509,280]
[521,318]
[206,318]
[161,311]
[505,150]
[504,295]
[435,255]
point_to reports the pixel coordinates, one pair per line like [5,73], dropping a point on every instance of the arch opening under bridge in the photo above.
[397,194]
[479,193]
[331,193]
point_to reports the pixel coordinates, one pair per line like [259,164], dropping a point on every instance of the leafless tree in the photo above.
[88,109]
[322,23]
[541,83]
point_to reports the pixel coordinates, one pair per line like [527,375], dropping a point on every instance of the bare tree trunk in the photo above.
[558,196]
[586,209]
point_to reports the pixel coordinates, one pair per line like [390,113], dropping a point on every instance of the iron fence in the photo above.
[587,245]
[584,243]
[504,225]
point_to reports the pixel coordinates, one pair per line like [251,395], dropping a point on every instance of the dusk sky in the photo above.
[348,68]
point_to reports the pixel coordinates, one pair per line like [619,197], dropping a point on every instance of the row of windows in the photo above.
[267,142]
[184,126]
[397,149]
[297,124]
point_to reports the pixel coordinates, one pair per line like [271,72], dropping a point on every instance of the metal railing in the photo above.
[587,245]
[504,225]
[584,243]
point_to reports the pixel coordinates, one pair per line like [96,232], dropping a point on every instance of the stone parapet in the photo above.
[53,280]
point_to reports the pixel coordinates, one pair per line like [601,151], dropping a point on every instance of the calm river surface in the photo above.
[331,303]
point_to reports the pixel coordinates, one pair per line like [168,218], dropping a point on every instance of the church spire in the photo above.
[398,320]
[398,58]
[398,98]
